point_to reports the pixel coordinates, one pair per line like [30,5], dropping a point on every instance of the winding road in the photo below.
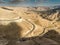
[28,21]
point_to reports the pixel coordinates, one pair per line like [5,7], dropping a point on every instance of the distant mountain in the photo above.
[51,13]
[58,6]
[40,8]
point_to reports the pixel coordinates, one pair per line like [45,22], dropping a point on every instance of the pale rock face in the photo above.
[7,16]
[31,22]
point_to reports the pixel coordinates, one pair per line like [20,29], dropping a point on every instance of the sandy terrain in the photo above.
[26,22]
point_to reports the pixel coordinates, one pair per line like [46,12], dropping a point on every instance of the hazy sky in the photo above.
[49,2]
[30,2]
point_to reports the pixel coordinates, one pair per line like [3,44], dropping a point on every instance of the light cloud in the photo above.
[11,1]
[29,2]
[41,1]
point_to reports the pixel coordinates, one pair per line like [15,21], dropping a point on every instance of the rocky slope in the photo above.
[30,25]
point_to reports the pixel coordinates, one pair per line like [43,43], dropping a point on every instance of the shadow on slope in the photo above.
[50,38]
[10,31]
[52,34]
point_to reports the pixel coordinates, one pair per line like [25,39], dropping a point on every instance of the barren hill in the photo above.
[29,22]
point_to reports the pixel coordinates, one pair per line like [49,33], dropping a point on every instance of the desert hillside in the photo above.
[29,24]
